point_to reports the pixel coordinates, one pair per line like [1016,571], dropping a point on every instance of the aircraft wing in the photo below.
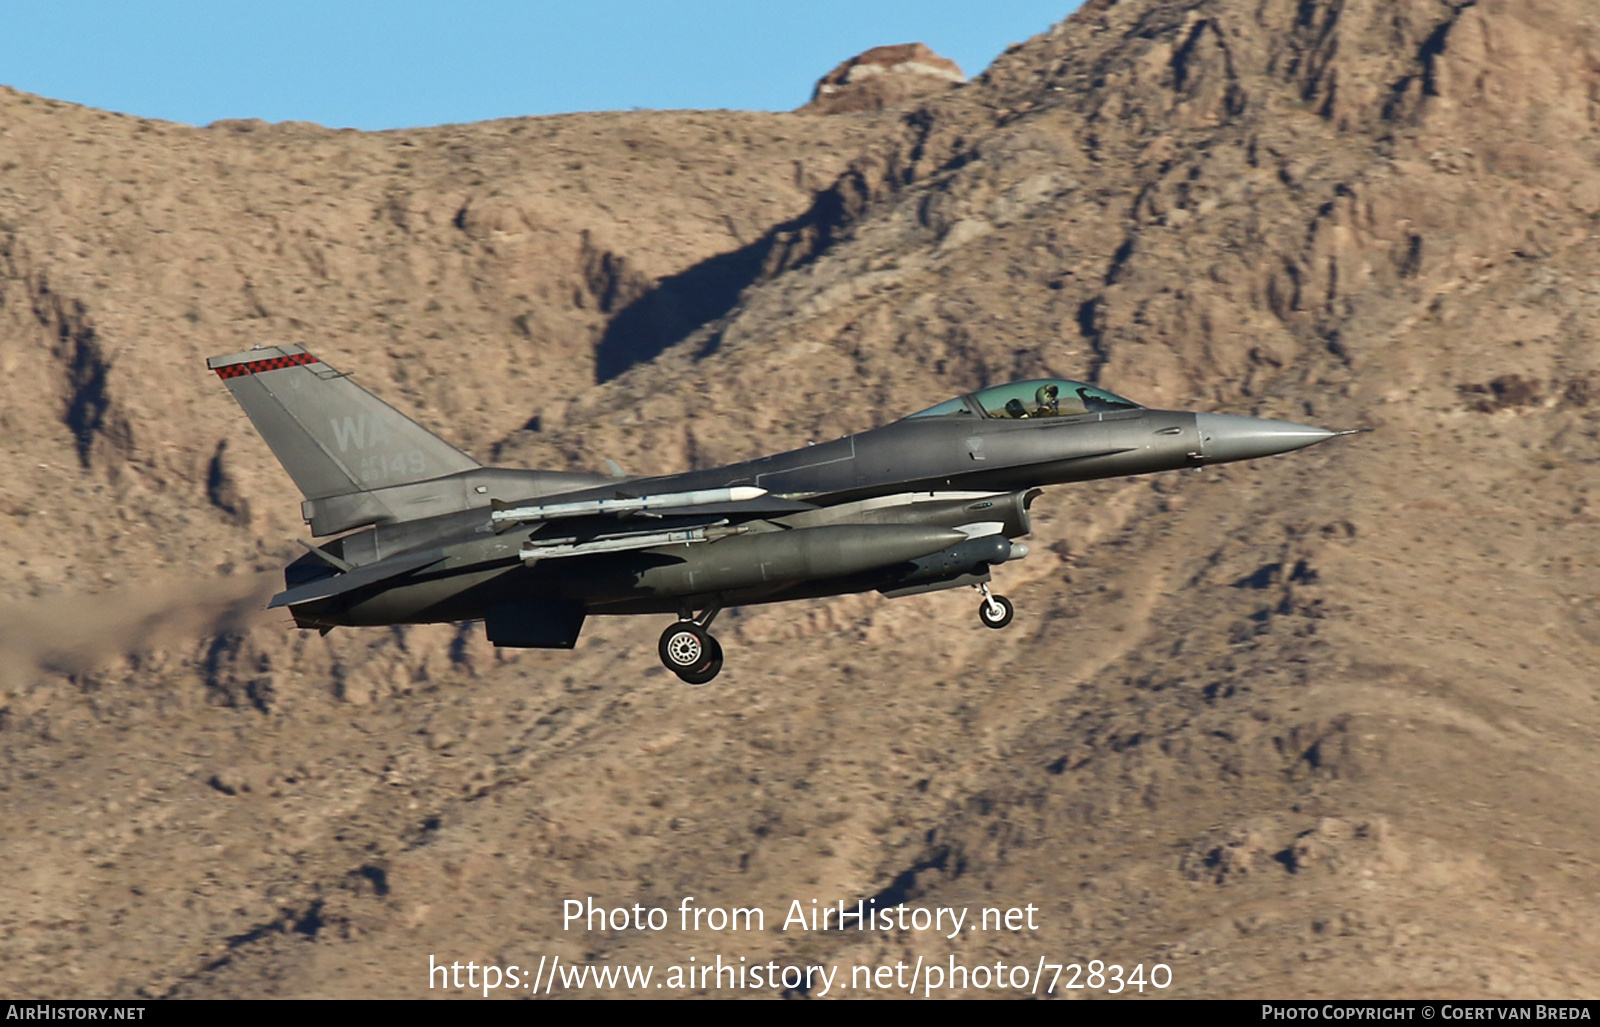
[371,574]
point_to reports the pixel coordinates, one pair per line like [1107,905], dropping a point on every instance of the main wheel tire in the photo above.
[685,647]
[711,668]
[991,621]
[702,676]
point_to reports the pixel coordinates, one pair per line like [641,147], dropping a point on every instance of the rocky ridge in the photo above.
[884,76]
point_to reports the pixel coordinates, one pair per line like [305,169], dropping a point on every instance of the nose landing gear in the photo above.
[688,649]
[995,611]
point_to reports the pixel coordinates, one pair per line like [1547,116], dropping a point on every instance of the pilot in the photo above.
[1015,409]
[1048,401]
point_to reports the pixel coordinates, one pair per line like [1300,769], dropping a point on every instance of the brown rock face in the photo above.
[885,76]
[1314,725]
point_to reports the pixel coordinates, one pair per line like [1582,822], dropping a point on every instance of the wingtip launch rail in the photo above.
[629,504]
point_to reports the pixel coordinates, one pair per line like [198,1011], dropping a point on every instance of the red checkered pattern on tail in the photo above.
[272,364]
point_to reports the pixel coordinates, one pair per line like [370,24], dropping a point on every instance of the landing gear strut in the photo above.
[995,611]
[689,650]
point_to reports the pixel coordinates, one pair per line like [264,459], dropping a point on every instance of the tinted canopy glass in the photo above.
[949,406]
[1048,397]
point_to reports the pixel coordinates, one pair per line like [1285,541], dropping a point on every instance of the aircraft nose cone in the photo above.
[1227,437]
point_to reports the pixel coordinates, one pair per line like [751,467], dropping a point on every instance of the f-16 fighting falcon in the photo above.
[932,501]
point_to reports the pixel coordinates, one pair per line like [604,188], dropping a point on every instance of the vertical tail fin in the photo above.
[330,434]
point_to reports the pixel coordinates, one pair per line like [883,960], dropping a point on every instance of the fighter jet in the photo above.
[935,500]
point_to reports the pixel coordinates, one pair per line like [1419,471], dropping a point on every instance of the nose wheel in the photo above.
[995,611]
[689,651]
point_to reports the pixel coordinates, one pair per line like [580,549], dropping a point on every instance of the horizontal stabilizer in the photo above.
[361,577]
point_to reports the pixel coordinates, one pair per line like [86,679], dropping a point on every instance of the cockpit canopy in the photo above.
[1034,398]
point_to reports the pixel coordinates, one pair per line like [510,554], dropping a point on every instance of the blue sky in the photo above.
[364,64]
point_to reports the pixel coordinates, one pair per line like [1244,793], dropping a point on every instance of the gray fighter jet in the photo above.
[932,501]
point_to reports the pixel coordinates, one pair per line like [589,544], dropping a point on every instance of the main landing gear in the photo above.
[689,650]
[995,611]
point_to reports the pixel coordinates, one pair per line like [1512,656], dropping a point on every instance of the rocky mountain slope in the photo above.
[1323,724]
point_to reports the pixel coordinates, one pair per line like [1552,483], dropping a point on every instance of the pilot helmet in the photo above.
[1046,395]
